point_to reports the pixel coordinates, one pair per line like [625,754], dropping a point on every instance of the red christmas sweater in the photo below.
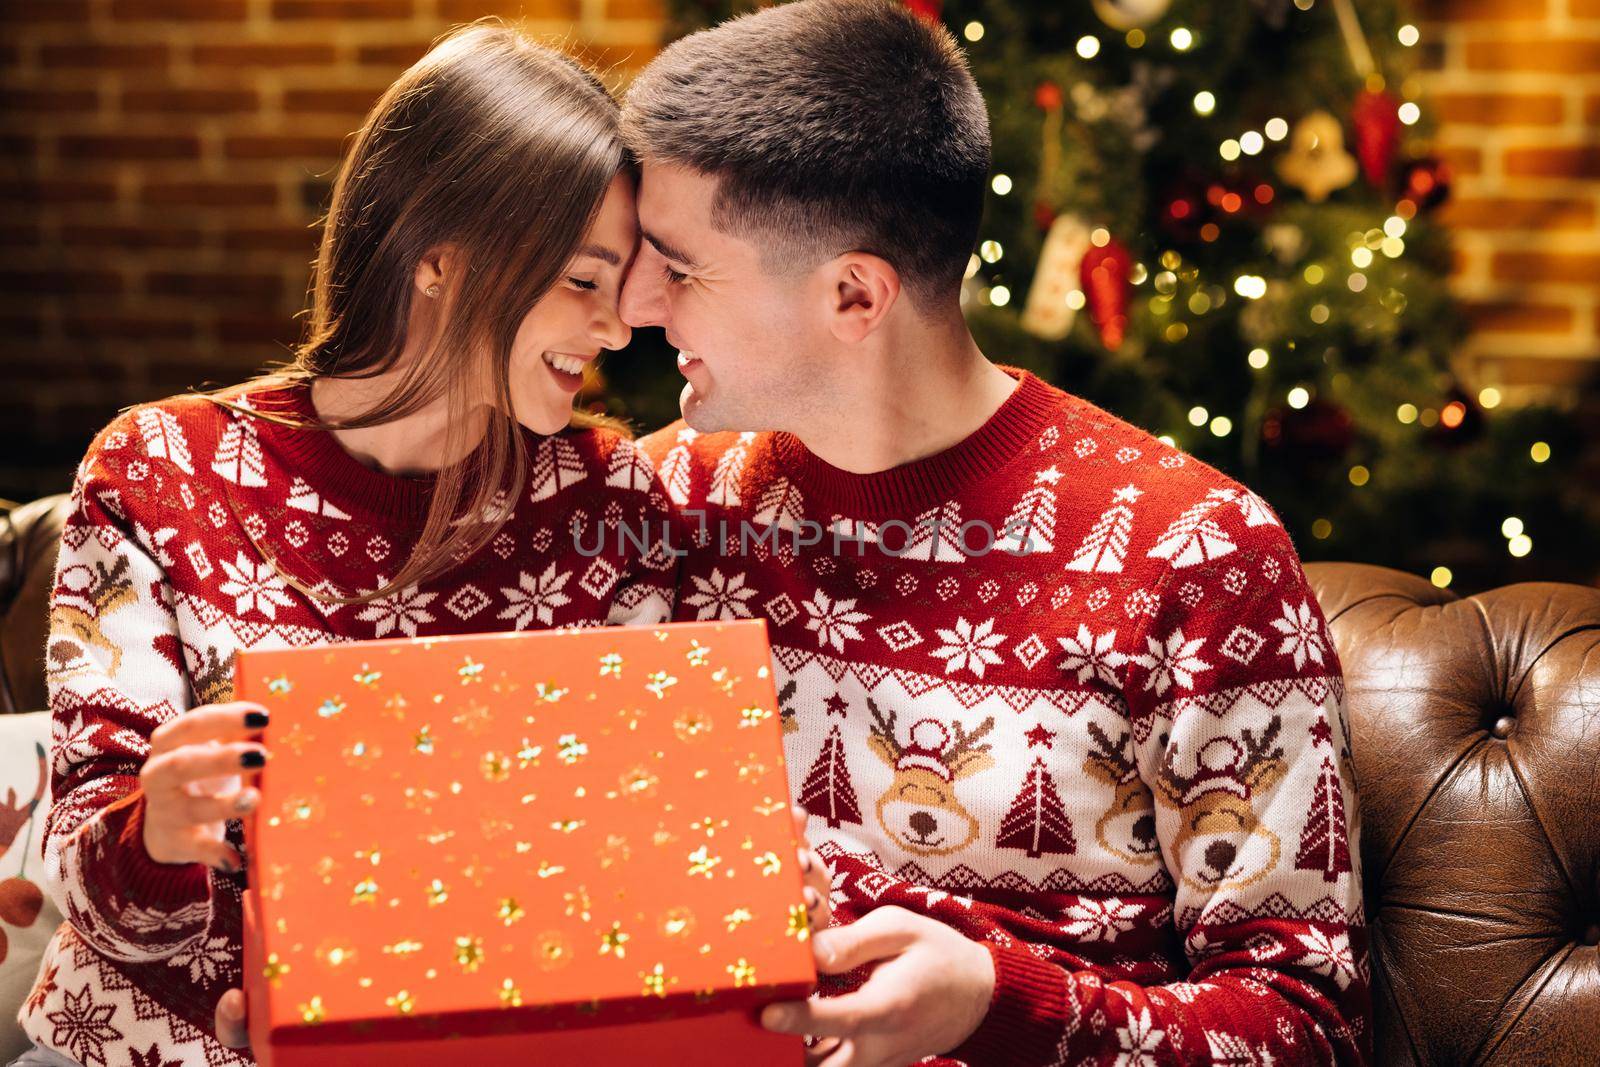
[1067,690]
[179,509]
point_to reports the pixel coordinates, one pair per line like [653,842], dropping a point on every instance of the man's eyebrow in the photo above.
[669,251]
[602,253]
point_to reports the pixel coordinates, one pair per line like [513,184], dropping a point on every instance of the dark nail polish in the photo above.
[253,760]
[255,720]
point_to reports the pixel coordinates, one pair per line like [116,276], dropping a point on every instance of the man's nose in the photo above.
[644,292]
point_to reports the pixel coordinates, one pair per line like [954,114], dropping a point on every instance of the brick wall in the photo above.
[1515,85]
[162,163]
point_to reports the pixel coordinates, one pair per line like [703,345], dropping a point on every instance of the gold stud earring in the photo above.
[433,291]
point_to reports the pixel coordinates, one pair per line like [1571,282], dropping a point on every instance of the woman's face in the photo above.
[567,328]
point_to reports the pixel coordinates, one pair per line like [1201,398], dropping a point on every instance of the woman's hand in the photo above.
[193,784]
[232,1021]
[818,883]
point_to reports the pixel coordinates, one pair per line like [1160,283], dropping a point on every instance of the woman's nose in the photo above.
[609,329]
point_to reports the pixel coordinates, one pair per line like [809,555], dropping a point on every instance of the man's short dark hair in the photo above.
[832,126]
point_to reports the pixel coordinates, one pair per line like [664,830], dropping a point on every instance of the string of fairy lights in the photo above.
[1365,248]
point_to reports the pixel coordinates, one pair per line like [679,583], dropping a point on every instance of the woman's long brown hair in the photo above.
[501,150]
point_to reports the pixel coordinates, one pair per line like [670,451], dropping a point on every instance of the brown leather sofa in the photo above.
[1476,727]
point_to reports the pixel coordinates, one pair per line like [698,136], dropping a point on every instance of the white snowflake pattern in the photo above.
[1091,656]
[720,597]
[1140,1041]
[1329,955]
[405,610]
[1302,634]
[969,647]
[207,959]
[1174,661]
[834,622]
[81,1027]
[255,586]
[1099,920]
[535,598]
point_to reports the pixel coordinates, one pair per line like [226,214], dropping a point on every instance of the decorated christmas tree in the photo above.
[828,791]
[1037,822]
[1217,221]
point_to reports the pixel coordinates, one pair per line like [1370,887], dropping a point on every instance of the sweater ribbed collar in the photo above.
[913,487]
[317,456]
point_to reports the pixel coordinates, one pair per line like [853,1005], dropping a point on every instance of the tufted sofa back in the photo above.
[29,535]
[1476,731]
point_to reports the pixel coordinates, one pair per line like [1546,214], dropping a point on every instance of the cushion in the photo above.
[28,917]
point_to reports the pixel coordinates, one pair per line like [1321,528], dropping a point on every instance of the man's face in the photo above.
[748,342]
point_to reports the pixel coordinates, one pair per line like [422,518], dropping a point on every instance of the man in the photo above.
[1060,704]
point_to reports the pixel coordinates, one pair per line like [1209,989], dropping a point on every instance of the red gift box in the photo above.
[570,846]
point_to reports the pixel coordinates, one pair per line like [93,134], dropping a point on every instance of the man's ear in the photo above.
[862,289]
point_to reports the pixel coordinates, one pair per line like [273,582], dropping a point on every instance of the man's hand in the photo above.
[931,989]
[231,1028]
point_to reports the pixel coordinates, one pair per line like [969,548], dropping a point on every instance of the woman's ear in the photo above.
[863,289]
[434,272]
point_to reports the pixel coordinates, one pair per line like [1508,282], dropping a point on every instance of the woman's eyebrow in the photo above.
[602,253]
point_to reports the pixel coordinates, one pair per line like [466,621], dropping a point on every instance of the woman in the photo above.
[417,469]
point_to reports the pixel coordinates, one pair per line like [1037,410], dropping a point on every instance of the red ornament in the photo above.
[1047,97]
[1043,215]
[1321,432]
[1376,119]
[1103,276]
[932,10]
[1461,419]
[1426,182]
